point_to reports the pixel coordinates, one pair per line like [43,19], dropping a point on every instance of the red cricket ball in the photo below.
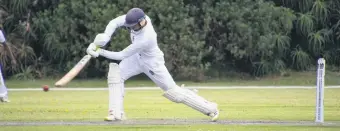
[45,88]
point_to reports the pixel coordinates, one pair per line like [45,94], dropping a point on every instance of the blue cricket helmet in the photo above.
[133,17]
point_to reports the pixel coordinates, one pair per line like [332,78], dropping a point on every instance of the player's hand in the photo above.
[92,50]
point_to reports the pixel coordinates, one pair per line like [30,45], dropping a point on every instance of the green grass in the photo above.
[296,78]
[235,104]
[170,128]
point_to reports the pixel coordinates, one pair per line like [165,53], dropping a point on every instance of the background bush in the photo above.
[201,39]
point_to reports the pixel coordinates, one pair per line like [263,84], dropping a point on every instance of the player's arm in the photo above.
[3,42]
[114,24]
[103,38]
[128,51]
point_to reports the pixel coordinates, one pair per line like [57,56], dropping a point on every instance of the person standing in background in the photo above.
[3,88]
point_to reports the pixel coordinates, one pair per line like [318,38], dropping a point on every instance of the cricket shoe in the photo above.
[111,117]
[4,99]
[214,116]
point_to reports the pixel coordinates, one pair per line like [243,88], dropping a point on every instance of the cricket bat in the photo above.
[73,72]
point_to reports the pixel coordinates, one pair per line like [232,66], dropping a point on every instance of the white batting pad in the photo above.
[101,39]
[116,91]
[191,99]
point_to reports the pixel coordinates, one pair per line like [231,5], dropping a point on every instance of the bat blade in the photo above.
[73,72]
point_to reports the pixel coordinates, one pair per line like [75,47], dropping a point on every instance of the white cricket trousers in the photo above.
[154,68]
[3,89]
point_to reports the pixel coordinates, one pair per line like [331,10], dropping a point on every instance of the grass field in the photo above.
[170,128]
[296,78]
[235,104]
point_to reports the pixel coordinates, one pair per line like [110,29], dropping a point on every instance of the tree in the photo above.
[316,31]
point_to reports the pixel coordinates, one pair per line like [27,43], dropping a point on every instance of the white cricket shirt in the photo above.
[144,41]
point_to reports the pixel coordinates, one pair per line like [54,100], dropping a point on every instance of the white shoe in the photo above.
[214,116]
[111,117]
[4,99]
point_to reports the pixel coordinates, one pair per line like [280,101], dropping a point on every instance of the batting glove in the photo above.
[93,50]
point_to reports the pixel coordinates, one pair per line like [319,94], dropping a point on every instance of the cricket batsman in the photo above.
[142,56]
[3,89]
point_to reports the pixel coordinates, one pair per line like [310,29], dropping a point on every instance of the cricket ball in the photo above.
[45,88]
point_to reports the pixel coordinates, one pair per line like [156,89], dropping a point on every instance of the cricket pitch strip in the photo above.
[173,122]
